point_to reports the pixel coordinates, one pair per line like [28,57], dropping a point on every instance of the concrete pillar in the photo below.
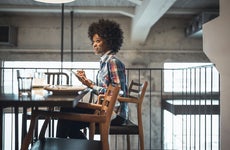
[216,46]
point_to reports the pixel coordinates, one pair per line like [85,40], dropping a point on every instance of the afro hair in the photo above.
[109,31]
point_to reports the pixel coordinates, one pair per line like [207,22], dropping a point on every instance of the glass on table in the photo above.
[25,80]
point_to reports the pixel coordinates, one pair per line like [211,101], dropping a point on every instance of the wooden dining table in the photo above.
[39,98]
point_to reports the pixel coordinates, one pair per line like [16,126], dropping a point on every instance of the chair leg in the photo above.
[44,126]
[104,138]
[141,138]
[28,138]
[91,131]
[128,141]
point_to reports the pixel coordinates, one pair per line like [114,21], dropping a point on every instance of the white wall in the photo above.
[216,47]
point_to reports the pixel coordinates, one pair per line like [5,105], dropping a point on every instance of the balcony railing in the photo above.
[180,110]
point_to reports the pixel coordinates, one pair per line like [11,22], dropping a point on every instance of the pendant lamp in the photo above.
[55,1]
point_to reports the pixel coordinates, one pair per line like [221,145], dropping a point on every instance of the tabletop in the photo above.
[40,97]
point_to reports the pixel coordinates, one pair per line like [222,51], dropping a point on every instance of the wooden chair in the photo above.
[136,96]
[102,116]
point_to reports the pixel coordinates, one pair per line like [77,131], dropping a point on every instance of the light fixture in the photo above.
[55,1]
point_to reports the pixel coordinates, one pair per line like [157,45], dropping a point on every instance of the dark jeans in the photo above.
[71,129]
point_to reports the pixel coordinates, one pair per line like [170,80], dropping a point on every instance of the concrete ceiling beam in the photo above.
[146,15]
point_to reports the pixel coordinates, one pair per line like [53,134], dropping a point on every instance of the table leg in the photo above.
[16,127]
[1,125]
[24,123]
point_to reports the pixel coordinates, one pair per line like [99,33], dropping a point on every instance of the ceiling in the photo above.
[144,13]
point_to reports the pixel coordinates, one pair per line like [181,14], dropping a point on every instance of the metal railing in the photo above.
[192,108]
[180,109]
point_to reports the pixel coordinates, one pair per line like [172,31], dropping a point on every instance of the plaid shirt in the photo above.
[112,70]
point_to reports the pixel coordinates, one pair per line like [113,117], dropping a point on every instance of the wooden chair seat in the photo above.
[66,144]
[129,128]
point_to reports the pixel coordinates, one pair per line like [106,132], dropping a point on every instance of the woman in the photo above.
[107,38]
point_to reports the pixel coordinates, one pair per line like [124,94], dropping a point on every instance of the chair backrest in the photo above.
[136,95]
[137,90]
[109,100]
[57,78]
